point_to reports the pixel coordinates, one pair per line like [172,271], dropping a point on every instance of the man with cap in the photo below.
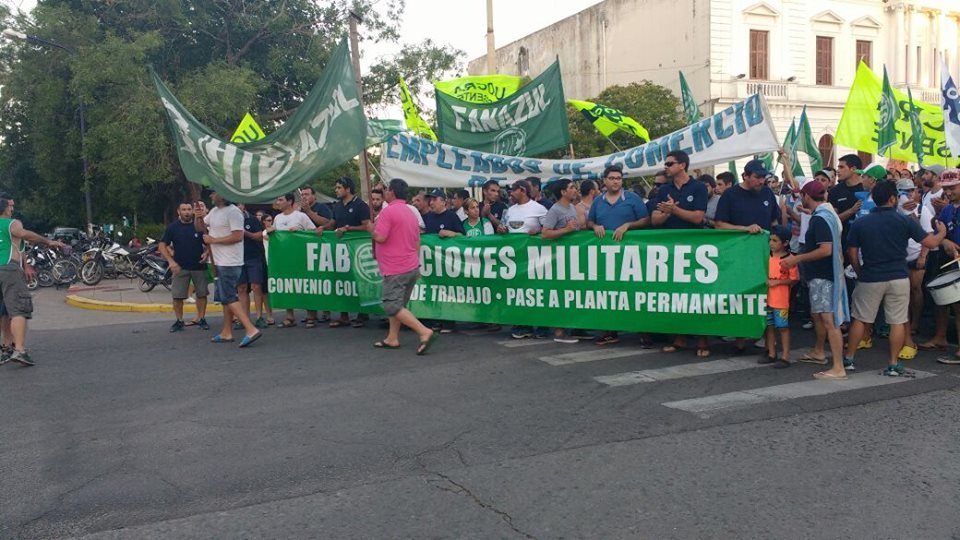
[822,266]
[525,217]
[950,217]
[881,239]
[441,220]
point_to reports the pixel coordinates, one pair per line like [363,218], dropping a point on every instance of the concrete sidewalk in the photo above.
[123,295]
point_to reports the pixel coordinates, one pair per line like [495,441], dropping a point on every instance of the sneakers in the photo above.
[606,339]
[237,325]
[807,325]
[540,333]
[259,323]
[848,364]
[565,337]
[202,323]
[520,332]
[22,358]
[190,300]
[865,344]
[894,370]
[781,363]
[950,359]
[5,355]
[176,327]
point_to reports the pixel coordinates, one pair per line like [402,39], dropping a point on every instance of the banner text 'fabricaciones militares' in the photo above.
[691,282]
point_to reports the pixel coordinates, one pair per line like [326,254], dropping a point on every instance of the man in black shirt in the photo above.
[318,212]
[440,220]
[186,265]
[349,214]
[492,207]
[843,196]
[254,264]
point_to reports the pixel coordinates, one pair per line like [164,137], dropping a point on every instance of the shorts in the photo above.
[894,295]
[180,284]
[14,295]
[252,272]
[228,277]
[778,318]
[397,290]
[821,295]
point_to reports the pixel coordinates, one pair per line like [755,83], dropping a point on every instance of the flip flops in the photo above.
[287,323]
[827,376]
[219,339]
[248,340]
[809,358]
[931,346]
[384,345]
[703,353]
[339,323]
[425,345]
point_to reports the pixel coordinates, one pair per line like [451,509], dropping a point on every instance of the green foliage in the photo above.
[148,230]
[654,106]
[221,57]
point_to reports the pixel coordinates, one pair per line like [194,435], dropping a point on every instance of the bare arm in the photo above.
[752,229]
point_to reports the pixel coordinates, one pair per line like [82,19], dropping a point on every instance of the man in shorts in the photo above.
[14,296]
[396,235]
[186,266]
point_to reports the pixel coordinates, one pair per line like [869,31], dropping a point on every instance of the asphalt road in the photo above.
[123,430]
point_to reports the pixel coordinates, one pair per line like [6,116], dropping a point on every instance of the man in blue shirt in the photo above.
[949,181]
[881,238]
[440,220]
[750,206]
[616,210]
[186,265]
[681,203]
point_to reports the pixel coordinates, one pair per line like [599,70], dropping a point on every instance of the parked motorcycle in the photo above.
[110,261]
[151,269]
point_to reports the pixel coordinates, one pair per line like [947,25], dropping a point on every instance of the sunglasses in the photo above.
[670,163]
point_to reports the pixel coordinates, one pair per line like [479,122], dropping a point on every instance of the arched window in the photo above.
[827,150]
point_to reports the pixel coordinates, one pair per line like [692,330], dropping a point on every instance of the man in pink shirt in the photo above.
[396,236]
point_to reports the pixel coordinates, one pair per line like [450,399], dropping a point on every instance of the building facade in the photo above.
[794,52]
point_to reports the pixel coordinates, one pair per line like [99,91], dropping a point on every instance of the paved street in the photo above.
[123,430]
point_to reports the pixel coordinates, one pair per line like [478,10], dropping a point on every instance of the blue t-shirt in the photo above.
[446,221]
[252,249]
[322,210]
[882,238]
[818,232]
[691,196]
[352,214]
[739,206]
[187,244]
[950,216]
[627,208]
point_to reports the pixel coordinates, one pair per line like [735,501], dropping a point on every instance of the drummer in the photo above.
[881,239]
[949,216]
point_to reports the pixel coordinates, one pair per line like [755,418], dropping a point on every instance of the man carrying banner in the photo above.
[561,220]
[444,223]
[588,193]
[822,265]
[680,203]
[291,219]
[397,236]
[318,212]
[525,217]
[350,214]
[619,211]
[492,207]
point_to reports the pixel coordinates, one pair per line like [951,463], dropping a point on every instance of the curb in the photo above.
[103,305]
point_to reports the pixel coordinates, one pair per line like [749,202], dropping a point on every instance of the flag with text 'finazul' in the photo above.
[530,122]
[328,129]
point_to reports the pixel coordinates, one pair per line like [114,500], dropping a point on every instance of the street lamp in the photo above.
[10,33]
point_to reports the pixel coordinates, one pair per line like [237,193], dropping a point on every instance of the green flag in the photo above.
[806,144]
[916,129]
[607,120]
[530,122]
[790,145]
[379,131]
[412,114]
[887,127]
[480,88]
[690,109]
[328,129]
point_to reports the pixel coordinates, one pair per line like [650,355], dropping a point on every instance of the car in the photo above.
[67,235]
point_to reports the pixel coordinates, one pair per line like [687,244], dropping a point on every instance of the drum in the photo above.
[945,289]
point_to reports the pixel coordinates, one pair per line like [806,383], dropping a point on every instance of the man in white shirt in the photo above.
[291,219]
[222,230]
[525,217]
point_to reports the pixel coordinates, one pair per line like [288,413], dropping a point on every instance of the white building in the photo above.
[795,52]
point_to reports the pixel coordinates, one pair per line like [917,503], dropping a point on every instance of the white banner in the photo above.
[742,129]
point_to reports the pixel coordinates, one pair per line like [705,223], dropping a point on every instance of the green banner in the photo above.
[480,88]
[379,131]
[706,282]
[328,129]
[530,122]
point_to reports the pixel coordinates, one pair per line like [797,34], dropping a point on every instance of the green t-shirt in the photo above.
[482,228]
[6,241]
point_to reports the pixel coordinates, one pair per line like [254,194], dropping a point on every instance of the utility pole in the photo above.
[355,55]
[491,49]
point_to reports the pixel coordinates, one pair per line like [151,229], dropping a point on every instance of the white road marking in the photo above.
[595,355]
[708,406]
[681,371]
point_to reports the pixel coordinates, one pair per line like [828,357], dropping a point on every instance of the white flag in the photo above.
[951,110]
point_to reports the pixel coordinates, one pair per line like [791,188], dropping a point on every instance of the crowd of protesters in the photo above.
[850,239]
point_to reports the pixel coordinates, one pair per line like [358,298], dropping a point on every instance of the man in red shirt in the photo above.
[396,234]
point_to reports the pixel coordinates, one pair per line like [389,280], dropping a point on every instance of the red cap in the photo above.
[814,189]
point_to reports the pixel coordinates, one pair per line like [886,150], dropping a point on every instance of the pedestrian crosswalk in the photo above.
[681,368]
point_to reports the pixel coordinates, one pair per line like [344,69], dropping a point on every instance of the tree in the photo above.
[654,106]
[221,57]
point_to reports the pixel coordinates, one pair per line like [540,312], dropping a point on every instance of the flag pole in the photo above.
[355,54]
[613,143]
[574,156]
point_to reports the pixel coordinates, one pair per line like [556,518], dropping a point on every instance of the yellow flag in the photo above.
[861,115]
[480,88]
[608,120]
[412,115]
[247,131]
